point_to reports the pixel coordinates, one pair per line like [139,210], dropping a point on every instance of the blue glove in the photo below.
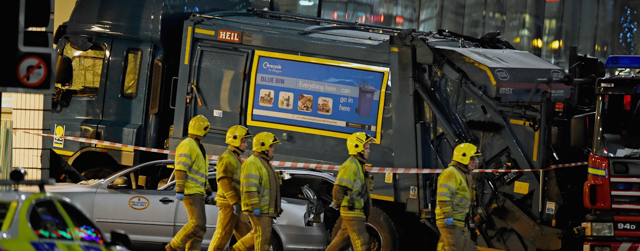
[256,212]
[180,196]
[210,197]
[448,221]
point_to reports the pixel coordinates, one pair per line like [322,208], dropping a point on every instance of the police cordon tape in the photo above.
[298,164]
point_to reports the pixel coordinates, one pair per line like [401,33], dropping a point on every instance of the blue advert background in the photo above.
[314,95]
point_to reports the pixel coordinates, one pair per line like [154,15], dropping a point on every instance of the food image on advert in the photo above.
[305,102]
[266,97]
[286,99]
[325,105]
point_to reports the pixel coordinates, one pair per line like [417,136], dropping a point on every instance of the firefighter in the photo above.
[260,188]
[192,186]
[230,217]
[351,193]
[454,195]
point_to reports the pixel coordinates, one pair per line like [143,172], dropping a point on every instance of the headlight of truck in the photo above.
[598,229]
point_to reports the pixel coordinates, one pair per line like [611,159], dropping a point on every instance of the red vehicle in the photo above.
[612,190]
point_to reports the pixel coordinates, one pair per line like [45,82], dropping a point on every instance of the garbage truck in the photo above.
[312,82]
[611,193]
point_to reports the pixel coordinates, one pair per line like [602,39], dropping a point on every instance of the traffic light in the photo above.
[31,58]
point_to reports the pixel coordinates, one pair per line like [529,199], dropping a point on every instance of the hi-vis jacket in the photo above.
[351,176]
[453,194]
[260,186]
[229,167]
[190,159]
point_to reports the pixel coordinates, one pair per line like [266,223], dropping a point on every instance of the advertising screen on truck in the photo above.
[319,96]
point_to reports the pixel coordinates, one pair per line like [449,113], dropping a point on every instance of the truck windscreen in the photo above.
[620,132]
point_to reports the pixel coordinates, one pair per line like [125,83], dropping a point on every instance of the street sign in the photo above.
[32,57]
[32,71]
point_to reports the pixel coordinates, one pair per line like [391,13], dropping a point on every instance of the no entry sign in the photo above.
[32,71]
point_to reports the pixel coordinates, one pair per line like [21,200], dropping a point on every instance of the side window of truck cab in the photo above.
[87,69]
[219,77]
[132,73]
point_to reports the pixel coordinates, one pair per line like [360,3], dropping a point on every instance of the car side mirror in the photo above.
[582,129]
[120,238]
[119,183]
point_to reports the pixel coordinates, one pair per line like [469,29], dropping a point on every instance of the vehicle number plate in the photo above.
[627,226]
[505,90]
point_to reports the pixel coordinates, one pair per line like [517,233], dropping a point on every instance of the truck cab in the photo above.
[612,191]
[113,75]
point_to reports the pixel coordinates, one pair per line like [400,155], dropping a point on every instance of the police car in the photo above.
[45,221]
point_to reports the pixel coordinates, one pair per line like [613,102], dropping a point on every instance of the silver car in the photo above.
[141,201]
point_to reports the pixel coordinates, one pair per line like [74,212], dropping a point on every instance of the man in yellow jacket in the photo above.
[230,217]
[351,193]
[455,188]
[192,186]
[260,188]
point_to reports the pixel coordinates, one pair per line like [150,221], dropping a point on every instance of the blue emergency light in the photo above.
[619,61]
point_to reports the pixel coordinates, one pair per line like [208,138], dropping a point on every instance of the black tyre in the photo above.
[382,232]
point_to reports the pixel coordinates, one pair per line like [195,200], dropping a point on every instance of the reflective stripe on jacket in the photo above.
[260,186]
[190,159]
[351,175]
[453,195]
[229,167]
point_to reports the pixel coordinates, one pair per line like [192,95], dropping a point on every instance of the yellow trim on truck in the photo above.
[536,139]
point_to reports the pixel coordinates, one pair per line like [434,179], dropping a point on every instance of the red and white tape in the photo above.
[304,165]
[108,143]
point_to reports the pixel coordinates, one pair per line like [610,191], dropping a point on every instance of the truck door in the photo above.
[77,108]
[219,76]
[124,112]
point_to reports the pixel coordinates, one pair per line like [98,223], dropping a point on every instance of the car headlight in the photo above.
[598,229]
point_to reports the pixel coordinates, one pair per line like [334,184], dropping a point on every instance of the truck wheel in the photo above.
[381,230]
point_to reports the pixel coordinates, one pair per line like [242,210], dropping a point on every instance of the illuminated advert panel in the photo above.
[318,96]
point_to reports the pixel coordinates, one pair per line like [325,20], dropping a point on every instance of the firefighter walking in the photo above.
[454,200]
[260,188]
[351,193]
[230,217]
[192,186]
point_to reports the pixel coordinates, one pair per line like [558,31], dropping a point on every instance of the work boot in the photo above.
[168,247]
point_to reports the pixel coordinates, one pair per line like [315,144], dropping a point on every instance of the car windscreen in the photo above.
[83,226]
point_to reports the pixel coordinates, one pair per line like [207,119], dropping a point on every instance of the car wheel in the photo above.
[276,243]
[381,230]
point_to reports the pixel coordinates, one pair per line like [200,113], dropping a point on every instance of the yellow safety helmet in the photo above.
[236,133]
[262,141]
[355,142]
[463,153]
[199,125]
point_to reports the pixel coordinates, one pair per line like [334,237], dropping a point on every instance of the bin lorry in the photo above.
[612,190]
[312,82]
